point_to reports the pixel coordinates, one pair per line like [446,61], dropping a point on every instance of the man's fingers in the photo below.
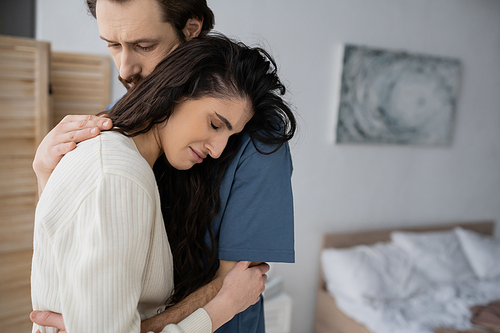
[105,123]
[75,128]
[75,122]
[75,135]
[47,318]
[264,268]
[244,264]
[64,148]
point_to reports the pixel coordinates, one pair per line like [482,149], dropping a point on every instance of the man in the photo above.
[255,221]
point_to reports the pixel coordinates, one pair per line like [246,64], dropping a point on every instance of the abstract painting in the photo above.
[396,97]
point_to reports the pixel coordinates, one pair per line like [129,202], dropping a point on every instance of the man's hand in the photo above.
[61,140]
[197,299]
[48,318]
[241,288]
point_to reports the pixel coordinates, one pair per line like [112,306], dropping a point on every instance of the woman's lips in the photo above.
[197,156]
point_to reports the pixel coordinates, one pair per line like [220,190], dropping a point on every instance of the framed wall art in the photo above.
[393,97]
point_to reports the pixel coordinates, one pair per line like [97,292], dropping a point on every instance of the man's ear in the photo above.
[192,28]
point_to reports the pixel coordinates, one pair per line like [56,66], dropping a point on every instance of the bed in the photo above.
[341,314]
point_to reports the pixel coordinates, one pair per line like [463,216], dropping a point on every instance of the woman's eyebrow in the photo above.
[225,121]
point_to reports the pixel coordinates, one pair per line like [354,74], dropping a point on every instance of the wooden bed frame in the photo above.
[328,317]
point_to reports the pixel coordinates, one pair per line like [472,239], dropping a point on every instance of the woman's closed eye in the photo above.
[213,126]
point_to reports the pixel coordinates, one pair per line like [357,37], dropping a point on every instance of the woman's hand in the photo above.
[62,139]
[241,288]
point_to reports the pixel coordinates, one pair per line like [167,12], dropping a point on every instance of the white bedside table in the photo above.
[278,313]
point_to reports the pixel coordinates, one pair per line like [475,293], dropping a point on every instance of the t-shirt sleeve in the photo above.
[101,273]
[111,105]
[257,220]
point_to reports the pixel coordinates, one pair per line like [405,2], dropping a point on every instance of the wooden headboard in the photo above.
[348,239]
[329,319]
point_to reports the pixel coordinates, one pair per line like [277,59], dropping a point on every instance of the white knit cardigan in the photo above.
[101,254]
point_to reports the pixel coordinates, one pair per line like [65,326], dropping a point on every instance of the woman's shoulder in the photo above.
[109,149]
[116,144]
[120,157]
[110,153]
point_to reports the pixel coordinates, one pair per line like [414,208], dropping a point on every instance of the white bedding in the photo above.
[416,282]
[445,305]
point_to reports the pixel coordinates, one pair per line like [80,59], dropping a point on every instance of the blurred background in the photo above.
[339,187]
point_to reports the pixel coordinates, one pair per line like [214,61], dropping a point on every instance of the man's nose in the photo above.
[129,67]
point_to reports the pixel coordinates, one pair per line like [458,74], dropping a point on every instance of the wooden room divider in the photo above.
[80,85]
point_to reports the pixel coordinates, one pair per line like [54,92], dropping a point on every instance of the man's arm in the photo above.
[236,296]
[61,140]
[197,299]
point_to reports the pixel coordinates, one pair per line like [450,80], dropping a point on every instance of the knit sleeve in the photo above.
[102,270]
[198,322]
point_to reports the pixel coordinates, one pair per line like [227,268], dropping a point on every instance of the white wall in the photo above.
[69,27]
[346,187]
[355,187]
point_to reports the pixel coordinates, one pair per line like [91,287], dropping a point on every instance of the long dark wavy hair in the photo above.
[208,66]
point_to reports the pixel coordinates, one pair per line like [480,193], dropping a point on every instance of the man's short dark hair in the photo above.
[177,12]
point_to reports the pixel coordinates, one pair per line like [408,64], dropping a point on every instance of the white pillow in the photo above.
[367,273]
[438,254]
[482,251]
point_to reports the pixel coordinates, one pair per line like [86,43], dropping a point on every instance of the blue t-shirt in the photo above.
[255,221]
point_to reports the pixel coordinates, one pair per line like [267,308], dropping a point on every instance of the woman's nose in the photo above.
[216,146]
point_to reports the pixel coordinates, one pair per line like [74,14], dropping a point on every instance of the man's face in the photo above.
[136,35]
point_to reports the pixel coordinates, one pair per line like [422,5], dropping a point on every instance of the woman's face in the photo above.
[200,128]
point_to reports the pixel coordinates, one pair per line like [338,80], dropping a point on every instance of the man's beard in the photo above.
[126,83]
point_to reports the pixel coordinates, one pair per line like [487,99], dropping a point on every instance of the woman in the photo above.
[101,254]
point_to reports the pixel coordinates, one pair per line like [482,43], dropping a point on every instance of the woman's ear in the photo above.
[192,28]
